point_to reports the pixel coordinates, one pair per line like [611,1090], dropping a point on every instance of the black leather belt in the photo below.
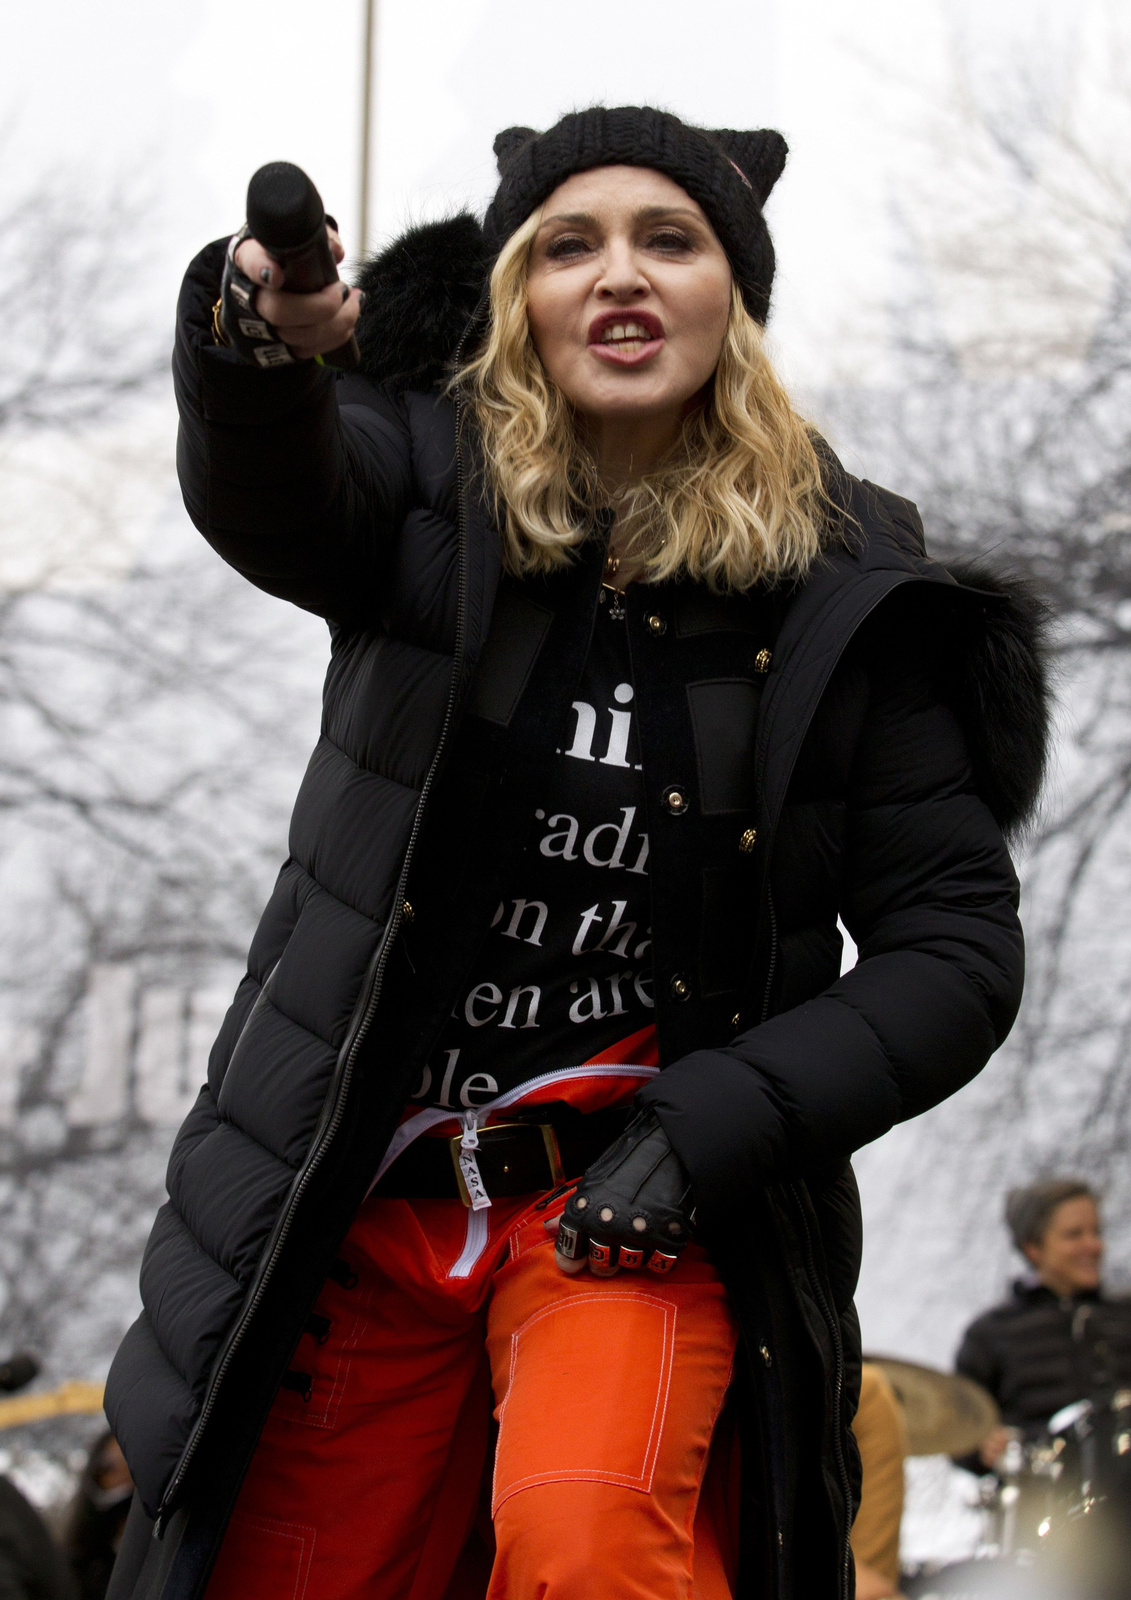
[526,1156]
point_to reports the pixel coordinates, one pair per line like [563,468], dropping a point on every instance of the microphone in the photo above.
[17,1371]
[285,214]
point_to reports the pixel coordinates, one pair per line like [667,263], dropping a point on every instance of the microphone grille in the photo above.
[284,209]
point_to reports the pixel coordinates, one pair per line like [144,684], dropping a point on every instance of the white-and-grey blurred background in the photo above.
[953,306]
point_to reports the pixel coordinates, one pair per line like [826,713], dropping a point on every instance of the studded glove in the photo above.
[632,1208]
[236,321]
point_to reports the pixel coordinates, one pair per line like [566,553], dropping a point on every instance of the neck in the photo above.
[1063,1286]
[628,448]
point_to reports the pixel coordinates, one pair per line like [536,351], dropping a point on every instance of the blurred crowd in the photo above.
[70,1556]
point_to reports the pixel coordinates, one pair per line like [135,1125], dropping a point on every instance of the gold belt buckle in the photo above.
[455,1145]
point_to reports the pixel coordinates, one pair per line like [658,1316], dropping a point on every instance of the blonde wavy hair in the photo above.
[739,500]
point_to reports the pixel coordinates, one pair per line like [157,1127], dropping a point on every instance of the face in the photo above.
[110,1469]
[629,294]
[1069,1257]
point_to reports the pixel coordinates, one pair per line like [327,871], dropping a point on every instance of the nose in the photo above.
[621,279]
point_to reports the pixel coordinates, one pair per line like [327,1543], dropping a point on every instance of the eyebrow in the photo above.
[645,214]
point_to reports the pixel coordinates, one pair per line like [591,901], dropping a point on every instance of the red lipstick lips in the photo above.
[626,338]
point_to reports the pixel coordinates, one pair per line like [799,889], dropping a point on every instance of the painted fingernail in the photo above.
[265,274]
[345,292]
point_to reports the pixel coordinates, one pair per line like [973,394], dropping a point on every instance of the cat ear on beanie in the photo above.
[759,155]
[510,142]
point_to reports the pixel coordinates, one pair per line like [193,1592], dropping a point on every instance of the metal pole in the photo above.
[366,119]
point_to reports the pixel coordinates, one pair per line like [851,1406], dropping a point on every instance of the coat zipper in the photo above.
[833,1325]
[361,1027]
[771,968]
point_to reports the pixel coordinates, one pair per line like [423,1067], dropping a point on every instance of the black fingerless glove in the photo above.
[633,1206]
[239,325]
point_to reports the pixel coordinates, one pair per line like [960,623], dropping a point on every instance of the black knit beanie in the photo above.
[729,174]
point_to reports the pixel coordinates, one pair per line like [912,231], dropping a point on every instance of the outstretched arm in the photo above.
[300,494]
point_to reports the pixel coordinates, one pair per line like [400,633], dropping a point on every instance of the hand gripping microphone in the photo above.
[285,214]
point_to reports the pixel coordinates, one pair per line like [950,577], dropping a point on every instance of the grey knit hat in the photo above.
[729,174]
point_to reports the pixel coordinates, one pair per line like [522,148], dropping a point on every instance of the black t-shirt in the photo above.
[565,968]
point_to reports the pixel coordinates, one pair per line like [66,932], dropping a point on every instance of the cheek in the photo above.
[548,315]
[706,314]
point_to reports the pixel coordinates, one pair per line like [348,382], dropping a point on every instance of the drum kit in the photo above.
[1058,1508]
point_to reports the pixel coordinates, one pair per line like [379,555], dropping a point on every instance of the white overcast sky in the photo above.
[188,97]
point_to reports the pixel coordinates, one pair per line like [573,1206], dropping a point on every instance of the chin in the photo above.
[630,400]
[611,392]
[630,406]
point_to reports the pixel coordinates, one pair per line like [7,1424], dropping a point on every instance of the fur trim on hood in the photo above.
[421,294]
[1001,668]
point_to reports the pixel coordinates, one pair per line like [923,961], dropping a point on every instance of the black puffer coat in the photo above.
[1040,1351]
[875,728]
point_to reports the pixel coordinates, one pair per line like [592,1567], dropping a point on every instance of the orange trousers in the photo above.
[607,1393]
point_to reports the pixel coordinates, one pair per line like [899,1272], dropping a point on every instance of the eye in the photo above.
[672,241]
[565,246]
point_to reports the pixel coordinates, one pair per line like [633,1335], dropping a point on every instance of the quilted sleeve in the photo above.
[299,495]
[929,894]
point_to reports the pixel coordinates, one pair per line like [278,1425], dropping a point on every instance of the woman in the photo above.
[96,1517]
[1058,1340]
[632,690]
[1059,1337]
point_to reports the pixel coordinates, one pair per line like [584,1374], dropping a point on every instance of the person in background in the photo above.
[97,1517]
[1059,1337]
[881,1437]
[31,1565]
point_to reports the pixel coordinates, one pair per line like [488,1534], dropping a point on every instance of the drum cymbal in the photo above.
[946,1415]
[69,1399]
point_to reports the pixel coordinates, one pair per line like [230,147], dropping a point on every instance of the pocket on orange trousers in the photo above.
[587,1393]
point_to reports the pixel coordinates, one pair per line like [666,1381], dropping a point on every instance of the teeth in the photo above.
[622,331]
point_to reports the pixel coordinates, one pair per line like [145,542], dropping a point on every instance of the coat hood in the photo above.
[1003,688]
[421,293]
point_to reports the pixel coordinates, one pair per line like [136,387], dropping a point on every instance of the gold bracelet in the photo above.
[218,334]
